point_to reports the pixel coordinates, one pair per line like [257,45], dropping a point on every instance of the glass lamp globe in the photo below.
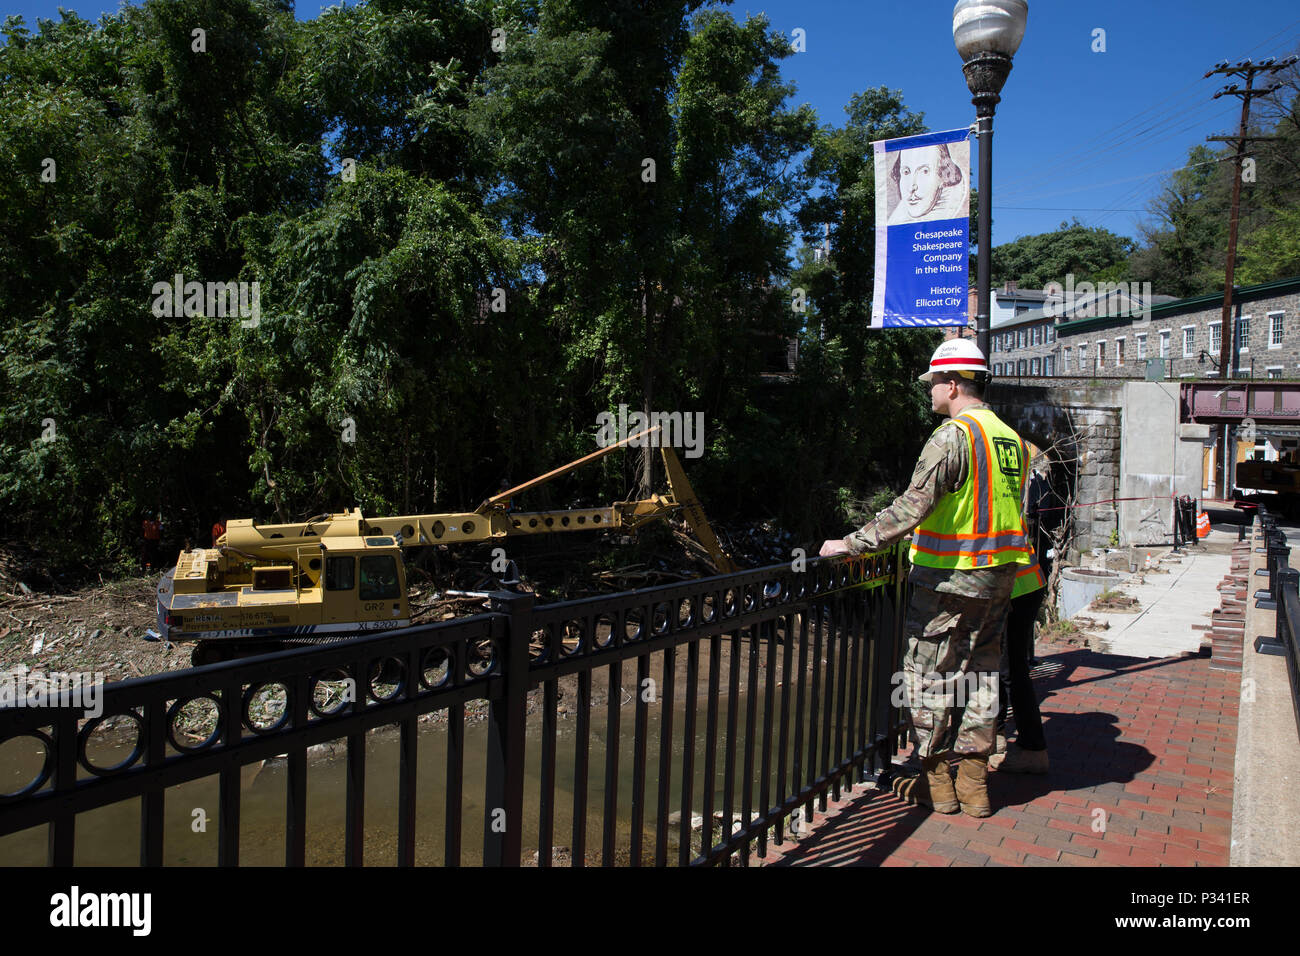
[989,26]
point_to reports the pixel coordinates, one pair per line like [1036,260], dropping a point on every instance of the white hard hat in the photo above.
[956,355]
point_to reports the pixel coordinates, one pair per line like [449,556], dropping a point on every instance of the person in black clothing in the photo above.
[1029,752]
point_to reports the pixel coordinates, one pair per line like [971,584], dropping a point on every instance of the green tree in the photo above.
[1183,245]
[661,205]
[1086,253]
[860,409]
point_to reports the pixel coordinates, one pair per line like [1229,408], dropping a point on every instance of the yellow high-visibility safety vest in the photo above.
[980,525]
[1029,579]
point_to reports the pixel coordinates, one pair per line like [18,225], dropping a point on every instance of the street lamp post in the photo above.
[987,34]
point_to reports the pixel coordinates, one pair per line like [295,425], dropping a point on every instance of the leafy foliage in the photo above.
[1035,261]
[860,409]
[461,261]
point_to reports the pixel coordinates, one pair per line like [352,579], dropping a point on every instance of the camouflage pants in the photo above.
[950,669]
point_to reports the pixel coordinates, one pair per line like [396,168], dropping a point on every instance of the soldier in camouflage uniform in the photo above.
[956,616]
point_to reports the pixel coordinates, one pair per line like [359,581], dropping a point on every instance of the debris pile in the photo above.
[101,628]
[1114,601]
[95,629]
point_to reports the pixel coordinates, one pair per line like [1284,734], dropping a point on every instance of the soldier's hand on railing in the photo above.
[833,546]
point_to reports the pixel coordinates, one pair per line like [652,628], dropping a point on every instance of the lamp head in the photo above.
[987,34]
[989,26]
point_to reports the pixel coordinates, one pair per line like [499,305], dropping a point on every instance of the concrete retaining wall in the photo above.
[1111,440]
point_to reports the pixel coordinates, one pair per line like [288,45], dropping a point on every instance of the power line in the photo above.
[1118,133]
[1120,182]
[1064,208]
[1030,185]
[1130,196]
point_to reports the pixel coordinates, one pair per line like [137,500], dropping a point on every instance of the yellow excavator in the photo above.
[265,587]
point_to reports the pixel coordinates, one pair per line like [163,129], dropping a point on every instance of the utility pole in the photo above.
[1246,70]
[1227,340]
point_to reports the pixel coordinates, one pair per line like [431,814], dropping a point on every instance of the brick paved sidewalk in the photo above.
[1148,742]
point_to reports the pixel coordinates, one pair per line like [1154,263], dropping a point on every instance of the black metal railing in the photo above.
[1283,597]
[783,698]
[1278,555]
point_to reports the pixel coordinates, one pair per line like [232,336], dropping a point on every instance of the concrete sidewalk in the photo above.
[1179,593]
[1266,781]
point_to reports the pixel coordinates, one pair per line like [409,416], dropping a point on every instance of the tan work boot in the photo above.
[1018,760]
[999,752]
[973,785]
[931,788]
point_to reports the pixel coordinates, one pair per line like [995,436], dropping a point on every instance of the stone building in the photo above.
[1131,334]
[1154,337]
[1005,305]
[1024,346]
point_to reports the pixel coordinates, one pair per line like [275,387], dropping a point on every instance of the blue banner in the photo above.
[922,230]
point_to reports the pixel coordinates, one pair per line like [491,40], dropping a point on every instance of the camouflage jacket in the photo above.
[941,470]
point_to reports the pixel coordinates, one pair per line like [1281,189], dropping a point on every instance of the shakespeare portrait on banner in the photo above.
[922,230]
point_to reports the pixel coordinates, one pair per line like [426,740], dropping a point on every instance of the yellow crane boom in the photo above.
[339,574]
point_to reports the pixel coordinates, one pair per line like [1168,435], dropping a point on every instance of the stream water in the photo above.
[110,835]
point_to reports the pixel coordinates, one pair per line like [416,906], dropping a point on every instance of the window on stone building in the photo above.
[1051,334]
[1189,340]
[1101,355]
[1216,337]
[1243,333]
[1021,367]
[1037,366]
[1049,365]
[1065,361]
[1141,345]
[1119,351]
[1083,357]
[1275,371]
[1164,343]
[1275,330]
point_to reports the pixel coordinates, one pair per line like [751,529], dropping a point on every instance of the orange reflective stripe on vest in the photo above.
[1029,580]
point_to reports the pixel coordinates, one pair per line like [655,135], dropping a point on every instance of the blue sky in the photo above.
[1078,133]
